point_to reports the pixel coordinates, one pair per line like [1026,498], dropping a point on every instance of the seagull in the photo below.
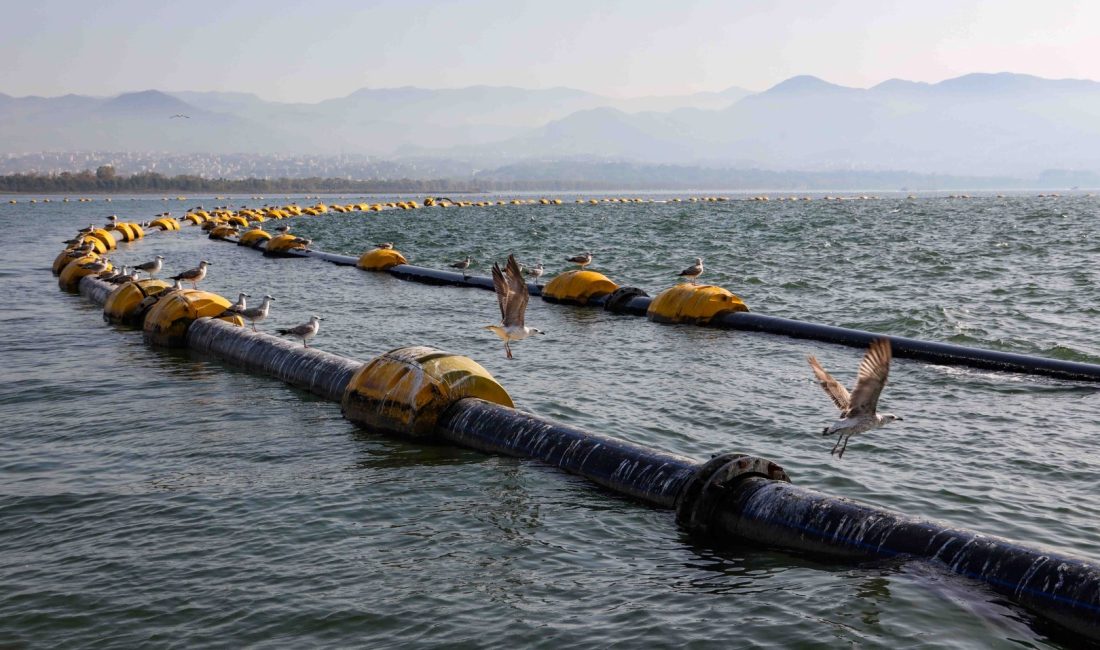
[152,268]
[97,266]
[584,259]
[241,304]
[285,228]
[857,410]
[127,275]
[463,265]
[385,246]
[186,117]
[195,275]
[257,314]
[693,271]
[89,229]
[536,272]
[85,249]
[512,295]
[79,241]
[305,331]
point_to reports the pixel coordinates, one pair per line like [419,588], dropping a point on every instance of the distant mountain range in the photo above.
[977,124]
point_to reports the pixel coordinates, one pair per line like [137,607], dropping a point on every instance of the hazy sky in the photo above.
[307,51]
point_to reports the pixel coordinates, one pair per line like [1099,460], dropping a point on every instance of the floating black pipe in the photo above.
[907,348]
[1060,587]
[450,278]
[736,497]
[319,372]
[649,475]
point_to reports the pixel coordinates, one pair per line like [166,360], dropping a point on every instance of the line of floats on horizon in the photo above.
[592,201]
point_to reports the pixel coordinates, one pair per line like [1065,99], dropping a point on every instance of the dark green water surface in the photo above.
[151,498]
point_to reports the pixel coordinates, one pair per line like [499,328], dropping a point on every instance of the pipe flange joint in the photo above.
[719,476]
[618,299]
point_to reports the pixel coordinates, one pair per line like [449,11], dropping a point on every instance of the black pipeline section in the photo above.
[646,474]
[1059,587]
[316,371]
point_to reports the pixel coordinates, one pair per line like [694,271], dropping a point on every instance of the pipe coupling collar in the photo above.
[718,477]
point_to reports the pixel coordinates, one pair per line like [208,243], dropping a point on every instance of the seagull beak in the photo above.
[898,419]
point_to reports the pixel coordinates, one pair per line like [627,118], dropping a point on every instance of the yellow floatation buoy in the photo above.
[380,259]
[167,321]
[693,303]
[128,303]
[406,390]
[577,287]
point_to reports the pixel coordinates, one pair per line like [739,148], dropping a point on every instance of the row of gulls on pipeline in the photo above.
[858,408]
[253,315]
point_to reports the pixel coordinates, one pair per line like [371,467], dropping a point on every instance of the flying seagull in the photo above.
[512,295]
[857,410]
[584,259]
[305,331]
[195,275]
[186,117]
[694,271]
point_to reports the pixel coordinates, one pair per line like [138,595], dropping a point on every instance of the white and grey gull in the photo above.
[195,275]
[858,409]
[152,268]
[694,271]
[512,297]
[257,314]
[305,331]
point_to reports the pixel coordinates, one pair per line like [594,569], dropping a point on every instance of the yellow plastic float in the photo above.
[168,319]
[165,223]
[693,303]
[253,238]
[406,390]
[577,287]
[69,280]
[127,304]
[284,243]
[104,236]
[380,259]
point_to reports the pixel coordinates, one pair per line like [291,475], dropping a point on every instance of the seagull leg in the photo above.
[508,349]
[254,326]
[846,438]
[838,439]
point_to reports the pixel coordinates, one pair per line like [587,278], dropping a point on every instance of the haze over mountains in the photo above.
[978,124]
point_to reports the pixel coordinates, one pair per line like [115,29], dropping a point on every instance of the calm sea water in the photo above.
[152,498]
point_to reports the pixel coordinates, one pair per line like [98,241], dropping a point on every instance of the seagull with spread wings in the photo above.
[858,409]
[512,295]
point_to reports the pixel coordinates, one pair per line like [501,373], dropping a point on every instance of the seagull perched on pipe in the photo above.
[257,314]
[463,265]
[535,272]
[693,271]
[152,268]
[240,305]
[512,295]
[305,331]
[195,275]
[97,266]
[584,259]
[857,410]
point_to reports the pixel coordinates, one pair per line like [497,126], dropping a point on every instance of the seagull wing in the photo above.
[517,294]
[873,371]
[833,389]
[502,289]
